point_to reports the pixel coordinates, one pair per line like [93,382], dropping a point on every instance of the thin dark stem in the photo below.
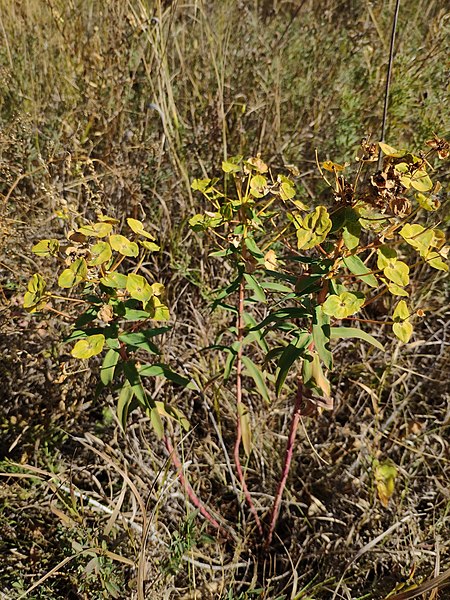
[388,79]
[287,463]
[237,460]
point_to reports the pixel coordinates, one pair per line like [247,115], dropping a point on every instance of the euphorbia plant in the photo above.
[310,268]
[114,311]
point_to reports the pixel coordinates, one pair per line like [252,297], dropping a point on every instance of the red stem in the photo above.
[188,489]
[240,327]
[287,464]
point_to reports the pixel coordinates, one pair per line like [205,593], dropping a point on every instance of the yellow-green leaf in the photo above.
[258,186]
[395,289]
[313,228]
[437,263]
[96,229]
[157,309]
[100,254]
[390,151]
[401,311]
[329,165]
[32,300]
[385,475]
[421,181]
[287,192]
[123,246]
[398,272]
[158,289]
[138,227]
[344,305]
[403,331]
[46,248]
[115,280]
[88,347]
[150,246]
[417,236]
[386,257]
[429,203]
[230,167]
[139,288]
[74,275]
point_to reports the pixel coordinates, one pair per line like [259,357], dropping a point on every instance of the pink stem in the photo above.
[237,460]
[287,464]
[189,491]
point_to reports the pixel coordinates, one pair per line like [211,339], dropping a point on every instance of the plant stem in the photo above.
[287,463]
[188,489]
[237,460]
[388,80]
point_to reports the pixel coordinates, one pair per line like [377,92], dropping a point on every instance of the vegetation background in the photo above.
[117,106]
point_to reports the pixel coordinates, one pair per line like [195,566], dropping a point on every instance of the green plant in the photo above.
[118,310]
[310,269]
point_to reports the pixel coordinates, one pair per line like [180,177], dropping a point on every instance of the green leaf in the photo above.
[139,341]
[344,305]
[313,375]
[132,375]
[321,336]
[74,275]
[170,412]
[352,332]
[356,266]
[351,234]
[139,288]
[46,248]
[108,366]
[258,186]
[138,227]
[100,254]
[89,346]
[253,248]
[273,286]
[123,246]
[254,286]
[115,280]
[257,377]
[161,370]
[123,403]
[290,354]
[155,420]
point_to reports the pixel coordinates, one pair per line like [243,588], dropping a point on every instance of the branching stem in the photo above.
[237,460]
